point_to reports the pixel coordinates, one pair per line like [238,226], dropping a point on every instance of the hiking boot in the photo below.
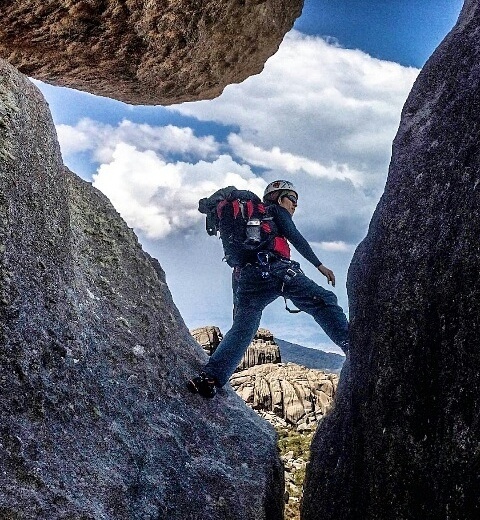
[203,385]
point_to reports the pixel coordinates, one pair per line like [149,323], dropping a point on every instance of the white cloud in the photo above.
[318,114]
[325,118]
[159,198]
[335,247]
[320,102]
[288,162]
[101,139]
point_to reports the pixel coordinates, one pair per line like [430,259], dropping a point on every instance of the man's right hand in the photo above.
[328,273]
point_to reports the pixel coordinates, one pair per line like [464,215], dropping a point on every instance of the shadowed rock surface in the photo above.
[262,349]
[402,441]
[95,419]
[144,52]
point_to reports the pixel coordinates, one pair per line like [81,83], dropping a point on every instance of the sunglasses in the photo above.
[291,198]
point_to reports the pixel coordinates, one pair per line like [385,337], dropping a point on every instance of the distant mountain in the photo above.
[309,357]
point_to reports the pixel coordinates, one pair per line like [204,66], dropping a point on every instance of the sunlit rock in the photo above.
[156,52]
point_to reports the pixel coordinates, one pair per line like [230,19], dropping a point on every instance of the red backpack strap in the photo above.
[236,208]
[250,208]
[220,207]
[266,227]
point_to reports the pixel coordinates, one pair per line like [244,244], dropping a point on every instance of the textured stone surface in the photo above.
[208,337]
[144,51]
[299,395]
[402,441]
[95,419]
[263,348]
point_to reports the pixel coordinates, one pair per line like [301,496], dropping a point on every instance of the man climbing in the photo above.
[267,276]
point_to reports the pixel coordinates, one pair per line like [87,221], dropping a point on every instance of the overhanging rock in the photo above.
[144,52]
[402,441]
[95,419]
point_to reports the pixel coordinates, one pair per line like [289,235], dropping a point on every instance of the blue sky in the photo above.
[405,31]
[323,114]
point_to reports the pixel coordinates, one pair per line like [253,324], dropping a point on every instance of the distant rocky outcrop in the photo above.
[263,348]
[144,52]
[95,419]
[286,395]
[403,438]
[298,395]
[208,338]
[310,357]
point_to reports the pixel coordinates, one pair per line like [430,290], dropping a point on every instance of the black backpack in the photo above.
[242,221]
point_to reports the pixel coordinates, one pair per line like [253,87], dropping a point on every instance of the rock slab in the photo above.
[144,52]
[298,395]
[95,419]
[402,441]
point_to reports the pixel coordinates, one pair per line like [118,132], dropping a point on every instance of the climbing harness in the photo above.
[289,275]
[263,260]
[286,277]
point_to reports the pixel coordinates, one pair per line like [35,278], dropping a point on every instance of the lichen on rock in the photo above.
[7,106]
[95,417]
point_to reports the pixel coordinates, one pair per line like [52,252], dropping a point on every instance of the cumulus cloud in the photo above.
[324,117]
[319,115]
[158,198]
[317,101]
[102,139]
[336,246]
[288,162]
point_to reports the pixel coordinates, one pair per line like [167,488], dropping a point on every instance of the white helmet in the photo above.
[278,186]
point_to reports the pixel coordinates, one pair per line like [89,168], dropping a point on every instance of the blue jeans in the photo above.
[257,287]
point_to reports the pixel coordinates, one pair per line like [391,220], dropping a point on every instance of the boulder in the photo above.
[298,395]
[208,338]
[141,52]
[402,440]
[263,348]
[95,419]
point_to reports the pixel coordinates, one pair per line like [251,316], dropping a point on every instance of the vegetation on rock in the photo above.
[294,449]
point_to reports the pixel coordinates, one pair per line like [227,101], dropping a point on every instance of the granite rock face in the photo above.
[263,348]
[402,441]
[95,419]
[144,52]
[299,395]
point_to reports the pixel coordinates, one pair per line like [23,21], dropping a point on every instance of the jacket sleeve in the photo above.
[288,229]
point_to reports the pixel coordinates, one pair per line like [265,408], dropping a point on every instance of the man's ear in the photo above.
[279,200]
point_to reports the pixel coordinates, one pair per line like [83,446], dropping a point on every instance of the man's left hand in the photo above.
[328,273]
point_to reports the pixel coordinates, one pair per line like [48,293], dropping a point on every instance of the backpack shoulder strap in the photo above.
[208,206]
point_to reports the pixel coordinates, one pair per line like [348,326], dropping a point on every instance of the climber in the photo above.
[259,283]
